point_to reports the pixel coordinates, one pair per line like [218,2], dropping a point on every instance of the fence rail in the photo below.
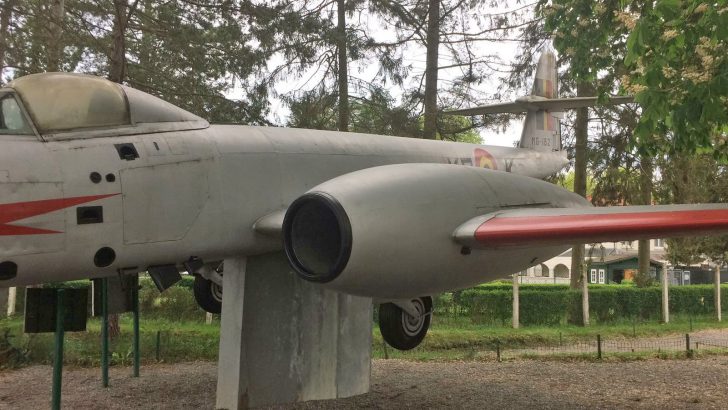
[600,347]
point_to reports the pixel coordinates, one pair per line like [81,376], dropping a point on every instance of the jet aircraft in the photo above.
[99,179]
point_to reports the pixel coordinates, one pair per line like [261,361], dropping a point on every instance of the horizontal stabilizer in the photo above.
[535,103]
[567,226]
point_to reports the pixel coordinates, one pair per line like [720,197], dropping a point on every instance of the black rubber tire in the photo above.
[391,324]
[203,290]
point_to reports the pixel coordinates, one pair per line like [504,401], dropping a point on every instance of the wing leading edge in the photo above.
[566,226]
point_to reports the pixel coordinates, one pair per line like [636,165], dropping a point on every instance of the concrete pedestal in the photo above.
[285,340]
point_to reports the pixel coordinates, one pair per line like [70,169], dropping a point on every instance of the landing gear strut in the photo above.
[405,329]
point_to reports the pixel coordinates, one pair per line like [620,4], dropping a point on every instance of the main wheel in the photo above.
[399,329]
[208,294]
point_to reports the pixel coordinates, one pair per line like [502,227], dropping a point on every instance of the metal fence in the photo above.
[600,347]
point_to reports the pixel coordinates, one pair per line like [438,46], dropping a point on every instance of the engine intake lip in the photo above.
[317,237]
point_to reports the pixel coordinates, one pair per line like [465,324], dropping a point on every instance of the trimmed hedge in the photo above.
[540,304]
[550,304]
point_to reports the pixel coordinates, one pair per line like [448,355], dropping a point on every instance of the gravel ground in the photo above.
[399,384]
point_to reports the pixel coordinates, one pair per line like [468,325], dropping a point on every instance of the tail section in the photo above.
[541,129]
[543,107]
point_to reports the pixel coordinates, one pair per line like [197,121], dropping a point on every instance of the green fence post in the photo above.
[599,346]
[105,332]
[58,356]
[135,301]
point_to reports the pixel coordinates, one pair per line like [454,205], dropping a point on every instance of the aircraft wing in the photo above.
[535,103]
[566,226]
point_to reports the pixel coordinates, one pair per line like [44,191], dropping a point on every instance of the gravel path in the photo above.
[396,384]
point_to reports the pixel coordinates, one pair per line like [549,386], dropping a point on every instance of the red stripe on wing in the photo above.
[564,229]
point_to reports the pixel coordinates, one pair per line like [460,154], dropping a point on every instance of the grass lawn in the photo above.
[449,338]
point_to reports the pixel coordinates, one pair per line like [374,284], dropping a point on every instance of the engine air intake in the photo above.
[317,237]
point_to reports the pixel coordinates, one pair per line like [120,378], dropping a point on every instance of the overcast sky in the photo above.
[415,56]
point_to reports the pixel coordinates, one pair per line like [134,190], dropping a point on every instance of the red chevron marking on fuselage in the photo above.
[23,210]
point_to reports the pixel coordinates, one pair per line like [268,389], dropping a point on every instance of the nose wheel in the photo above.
[405,330]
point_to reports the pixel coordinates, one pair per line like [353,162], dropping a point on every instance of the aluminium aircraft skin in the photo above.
[97,179]
[189,193]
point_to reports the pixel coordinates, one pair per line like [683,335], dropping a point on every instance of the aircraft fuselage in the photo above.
[162,198]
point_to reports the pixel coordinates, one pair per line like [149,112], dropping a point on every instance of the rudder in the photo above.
[541,129]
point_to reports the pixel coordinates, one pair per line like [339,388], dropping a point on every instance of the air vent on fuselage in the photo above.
[89,215]
[127,152]
[8,270]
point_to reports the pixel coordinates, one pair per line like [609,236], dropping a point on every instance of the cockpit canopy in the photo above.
[64,106]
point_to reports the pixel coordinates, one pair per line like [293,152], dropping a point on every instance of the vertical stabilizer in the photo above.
[541,129]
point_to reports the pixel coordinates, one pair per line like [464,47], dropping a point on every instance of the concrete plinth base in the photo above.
[285,340]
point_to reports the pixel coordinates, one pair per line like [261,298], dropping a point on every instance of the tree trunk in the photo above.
[55,32]
[582,135]
[716,297]
[584,298]
[431,69]
[117,59]
[6,13]
[117,72]
[665,295]
[643,246]
[343,69]
[114,327]
[4,300]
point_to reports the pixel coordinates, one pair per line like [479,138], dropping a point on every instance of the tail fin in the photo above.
[541,130]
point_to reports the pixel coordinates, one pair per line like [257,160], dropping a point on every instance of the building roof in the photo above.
[614,258]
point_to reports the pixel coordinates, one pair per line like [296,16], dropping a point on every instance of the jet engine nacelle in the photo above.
[386,232]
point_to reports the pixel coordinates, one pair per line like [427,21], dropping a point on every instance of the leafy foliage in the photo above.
[193,54]
[677,51]
[674,56]
[551,304]
[376,114]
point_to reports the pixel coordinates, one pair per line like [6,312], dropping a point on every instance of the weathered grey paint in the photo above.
[402,218]
[212,183]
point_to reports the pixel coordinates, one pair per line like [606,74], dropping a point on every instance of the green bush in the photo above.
[176,303]
[552,304]
[538,307]
[488,307]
